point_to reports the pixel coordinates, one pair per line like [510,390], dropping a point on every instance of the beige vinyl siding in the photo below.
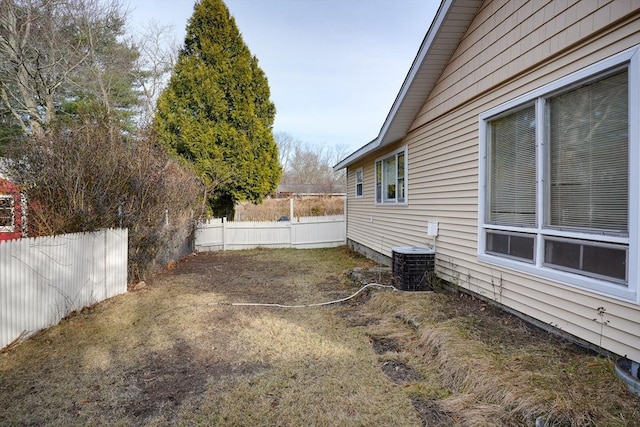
[510,48]
[368,222]
[509,37]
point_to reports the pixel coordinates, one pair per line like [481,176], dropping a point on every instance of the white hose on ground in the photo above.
[318,304]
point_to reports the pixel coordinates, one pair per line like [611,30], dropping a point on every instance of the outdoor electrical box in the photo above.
[432,229]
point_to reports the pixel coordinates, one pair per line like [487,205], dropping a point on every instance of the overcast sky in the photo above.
[334,66]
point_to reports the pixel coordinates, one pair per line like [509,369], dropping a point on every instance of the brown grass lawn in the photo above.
[175,353]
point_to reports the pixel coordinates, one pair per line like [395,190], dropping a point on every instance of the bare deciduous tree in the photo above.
[306,164]
[158,54]
[54,52]
[286,145]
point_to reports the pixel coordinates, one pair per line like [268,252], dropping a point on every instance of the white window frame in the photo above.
[382,200]
[359,183]
[9,228]
[630,59]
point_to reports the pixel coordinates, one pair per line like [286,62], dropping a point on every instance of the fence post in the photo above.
[106,289]
[291,209]
[346,225]
[224,232]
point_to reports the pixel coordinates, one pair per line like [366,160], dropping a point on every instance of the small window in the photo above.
[378,182]
[391,178]
[587,258]
[400,189]
[359,182]
[515,245]
[6,213]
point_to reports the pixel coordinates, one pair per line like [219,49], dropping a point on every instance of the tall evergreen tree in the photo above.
[216,111]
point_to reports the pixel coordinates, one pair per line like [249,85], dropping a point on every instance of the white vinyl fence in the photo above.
[301,233]
[43,279]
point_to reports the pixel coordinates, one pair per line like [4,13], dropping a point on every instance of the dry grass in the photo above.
[273,209]
[498,369]
[171,354]
[166,355]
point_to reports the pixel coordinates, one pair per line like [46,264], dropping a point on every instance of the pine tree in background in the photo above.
[216,111]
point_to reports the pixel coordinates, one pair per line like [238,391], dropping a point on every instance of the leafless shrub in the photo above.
[92,175]
[273,209]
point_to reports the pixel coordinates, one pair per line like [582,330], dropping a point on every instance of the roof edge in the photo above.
[434,28]
[368,147]
[424,49]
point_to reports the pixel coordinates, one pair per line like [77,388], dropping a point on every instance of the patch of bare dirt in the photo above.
[355,319]
[432,415]
[167,379]
[399,372]
[383,345]
[243,277]
[497,327]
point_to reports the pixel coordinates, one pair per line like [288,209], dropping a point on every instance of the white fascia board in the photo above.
[370,146]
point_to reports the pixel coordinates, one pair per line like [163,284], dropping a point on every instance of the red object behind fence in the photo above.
[13,211]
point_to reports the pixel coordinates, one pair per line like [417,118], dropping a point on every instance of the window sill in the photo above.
[600,287]
[391,204]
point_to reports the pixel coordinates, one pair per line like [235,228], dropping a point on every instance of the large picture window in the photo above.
[391,178]
[557,192]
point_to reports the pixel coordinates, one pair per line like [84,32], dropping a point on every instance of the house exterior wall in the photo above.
[510,48]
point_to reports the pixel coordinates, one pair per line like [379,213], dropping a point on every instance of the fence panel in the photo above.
[252,234]
[325,218]
[319,232]
[209,235]
[43,279]
[302,233]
